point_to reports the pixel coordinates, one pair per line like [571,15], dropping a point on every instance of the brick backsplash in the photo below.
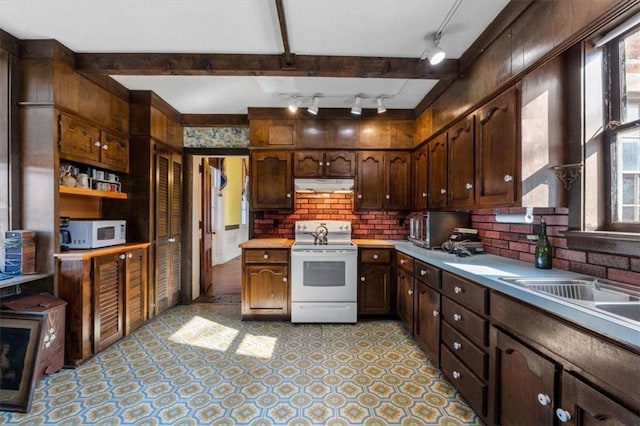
[502,239]
[510,240]
[334,206]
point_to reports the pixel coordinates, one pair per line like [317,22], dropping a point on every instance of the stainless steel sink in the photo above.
[616,299]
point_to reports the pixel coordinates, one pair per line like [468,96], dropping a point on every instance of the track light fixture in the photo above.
[356,109]
[381,107]
[433,51]
[315,105]
[293,105]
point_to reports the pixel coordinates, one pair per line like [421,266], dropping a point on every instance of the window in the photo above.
[622,74]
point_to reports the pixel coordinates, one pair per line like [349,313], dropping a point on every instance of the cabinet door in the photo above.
[135,290]
[426,327]
[370,181]
[339,164]
[374,290]
[461,164]
[524,383]
[420,188]
[497,168]
[265,290]
[114,152]
[107,301]
[584,405]
[405,299]
[308,164]
[437,172]
[168,227]
[271,180]
[78,140]
[397,181]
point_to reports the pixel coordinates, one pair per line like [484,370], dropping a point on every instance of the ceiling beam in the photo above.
[261,65]
[288,59]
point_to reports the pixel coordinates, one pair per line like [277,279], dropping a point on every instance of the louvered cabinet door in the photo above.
[107,301]
[135,289]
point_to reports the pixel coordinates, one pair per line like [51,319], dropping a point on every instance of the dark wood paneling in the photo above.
[214,120]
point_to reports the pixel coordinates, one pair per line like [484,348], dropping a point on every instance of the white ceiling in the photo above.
[378,28]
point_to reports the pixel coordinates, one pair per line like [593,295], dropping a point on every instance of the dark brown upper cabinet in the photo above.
[437,172]
[318,164]
[271,180]
[461,166]
[420,188]
[497,165]
[383,180]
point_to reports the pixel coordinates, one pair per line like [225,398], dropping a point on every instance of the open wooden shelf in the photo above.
[91,192]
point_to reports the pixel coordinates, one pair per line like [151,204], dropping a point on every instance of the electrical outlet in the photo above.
[532,237]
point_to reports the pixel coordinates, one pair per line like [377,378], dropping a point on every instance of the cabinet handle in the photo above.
[363,279]
[97,143]
[543,399]
[424,195]
[443,191]
[266,255]
[423,272]
[468,186]
[359,196]
[457,317]
[388,197]
[403,261]
[457,346]
[410,292]
[436,313]
[129,255]
[284,279]
[122,257]
[563,415]
[320,163]
[171,240]
[457,290]
[105,146]
[456,375]
[508,178]
[375,256]
[289,195]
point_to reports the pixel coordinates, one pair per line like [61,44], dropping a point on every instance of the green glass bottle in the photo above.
[543,248]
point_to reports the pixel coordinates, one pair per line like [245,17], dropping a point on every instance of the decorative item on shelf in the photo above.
[543,248]
[568,173]
[68,174]
[102,180]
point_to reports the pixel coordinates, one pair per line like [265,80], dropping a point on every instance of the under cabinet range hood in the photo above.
[324,185]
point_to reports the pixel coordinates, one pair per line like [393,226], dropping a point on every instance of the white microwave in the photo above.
[88,234]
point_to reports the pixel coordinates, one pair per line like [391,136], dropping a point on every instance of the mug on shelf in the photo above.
[83,180]
[100,174]
[112,177]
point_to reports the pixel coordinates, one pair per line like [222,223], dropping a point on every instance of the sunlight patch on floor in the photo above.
[257,346]
[206,334]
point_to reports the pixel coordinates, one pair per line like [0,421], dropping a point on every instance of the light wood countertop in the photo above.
[366,243]
[267,243]
[89,253]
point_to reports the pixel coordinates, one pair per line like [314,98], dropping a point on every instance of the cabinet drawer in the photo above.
[375,256]
[405,262]
[471,325]
[473,357]
[472,389]
[428,274]
[266,256]
[471,295]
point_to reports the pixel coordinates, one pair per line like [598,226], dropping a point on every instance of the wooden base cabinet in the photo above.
[374,282]
[106,293]
[265,284]
[405,287]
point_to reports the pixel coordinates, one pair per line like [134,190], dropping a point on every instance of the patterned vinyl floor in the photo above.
[202,365]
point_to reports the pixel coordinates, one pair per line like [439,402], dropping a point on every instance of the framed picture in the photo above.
[20,343]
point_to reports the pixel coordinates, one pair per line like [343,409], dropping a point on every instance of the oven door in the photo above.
[324,275]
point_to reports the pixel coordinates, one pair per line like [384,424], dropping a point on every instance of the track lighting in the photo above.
[356,109]
[293,106]
[433,51]
[315,104]
[381,107]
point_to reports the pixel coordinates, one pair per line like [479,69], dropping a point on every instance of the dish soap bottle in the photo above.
[543,248]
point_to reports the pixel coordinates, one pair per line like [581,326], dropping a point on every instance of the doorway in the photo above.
[223,224]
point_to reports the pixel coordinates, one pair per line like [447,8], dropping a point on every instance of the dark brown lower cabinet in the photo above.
[374,282]
[584,405]
[106,292]
[426,321]
[524,383]
[265,284]
[405,299]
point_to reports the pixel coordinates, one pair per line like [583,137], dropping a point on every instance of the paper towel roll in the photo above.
[514,218]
